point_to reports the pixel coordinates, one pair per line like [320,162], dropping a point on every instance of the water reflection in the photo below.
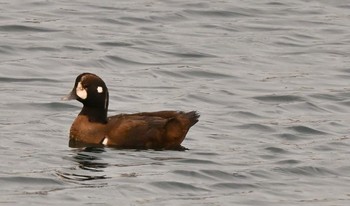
[89,165]
[89,160]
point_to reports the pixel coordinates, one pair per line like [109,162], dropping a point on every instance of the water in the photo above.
[270,79]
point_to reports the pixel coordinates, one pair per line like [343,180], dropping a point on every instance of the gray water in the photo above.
[269,78]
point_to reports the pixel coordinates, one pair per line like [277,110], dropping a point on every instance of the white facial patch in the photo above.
[81,92]
[99,89]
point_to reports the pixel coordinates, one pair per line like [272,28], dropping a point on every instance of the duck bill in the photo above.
[70,96]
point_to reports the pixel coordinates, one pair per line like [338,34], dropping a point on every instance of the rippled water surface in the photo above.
[270,79]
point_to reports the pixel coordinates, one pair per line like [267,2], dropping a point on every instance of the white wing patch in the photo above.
[105,141]
[99,89]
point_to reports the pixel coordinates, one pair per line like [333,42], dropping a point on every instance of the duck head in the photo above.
[92,92]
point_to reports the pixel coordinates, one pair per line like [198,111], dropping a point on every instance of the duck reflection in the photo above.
[90,164]
[88,159]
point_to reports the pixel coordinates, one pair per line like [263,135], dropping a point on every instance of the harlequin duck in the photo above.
[145,130]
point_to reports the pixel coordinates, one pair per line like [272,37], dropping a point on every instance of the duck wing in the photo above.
[149,130]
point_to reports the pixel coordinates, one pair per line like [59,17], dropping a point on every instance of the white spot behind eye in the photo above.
[81,92]
[99,89]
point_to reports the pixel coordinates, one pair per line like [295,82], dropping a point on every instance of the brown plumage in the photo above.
[146,130]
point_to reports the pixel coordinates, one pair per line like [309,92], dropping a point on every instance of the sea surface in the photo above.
[271,80]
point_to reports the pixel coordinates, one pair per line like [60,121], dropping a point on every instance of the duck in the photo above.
[160,130]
